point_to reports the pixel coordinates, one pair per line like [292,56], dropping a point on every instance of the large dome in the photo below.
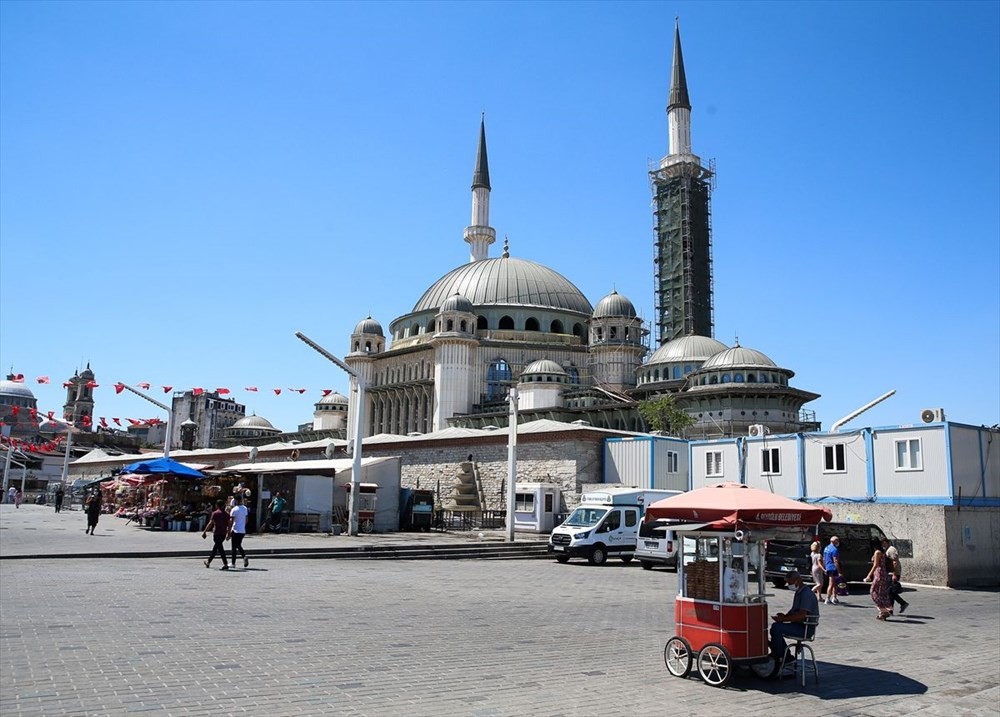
[254,422]
[13,389]
[738,356]
[506,282]
[687,348]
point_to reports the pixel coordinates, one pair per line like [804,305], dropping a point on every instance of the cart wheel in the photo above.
[714,665]
[562,558]
[767,669]
[367,525]
[677,657]
[598,555]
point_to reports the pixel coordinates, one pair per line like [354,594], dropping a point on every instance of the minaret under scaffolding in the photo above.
[682,196]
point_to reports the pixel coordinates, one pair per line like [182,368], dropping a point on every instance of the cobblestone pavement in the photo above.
[454,637]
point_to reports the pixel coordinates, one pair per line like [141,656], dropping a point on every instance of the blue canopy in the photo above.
[162,466]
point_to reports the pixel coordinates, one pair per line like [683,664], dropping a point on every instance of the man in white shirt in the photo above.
[238,528]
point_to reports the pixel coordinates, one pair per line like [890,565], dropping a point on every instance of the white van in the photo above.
[606,523]
[656,544]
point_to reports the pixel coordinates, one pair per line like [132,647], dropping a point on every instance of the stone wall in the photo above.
[569,464]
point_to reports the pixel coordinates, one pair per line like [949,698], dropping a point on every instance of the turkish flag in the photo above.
[298,390]
[104,424]
[92,384]
[119,387]
[222,391]
[19,378]
[327,391]
[50,414]
[66,384]
[277,391]
[252,389]
[197,391]
[117,421]
[166,389]
[42,379]
[143,384]
[134,422]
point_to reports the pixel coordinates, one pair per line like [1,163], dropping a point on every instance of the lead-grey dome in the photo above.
[544,366]
[369,326]
[14,389]
[687,348]
[506,281]
[333,398]
[614,304]
[457,302]
[741,357]
[254,422]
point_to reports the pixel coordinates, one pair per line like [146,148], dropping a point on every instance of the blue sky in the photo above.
[185,185]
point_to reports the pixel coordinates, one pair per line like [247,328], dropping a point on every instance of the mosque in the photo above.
[494,323]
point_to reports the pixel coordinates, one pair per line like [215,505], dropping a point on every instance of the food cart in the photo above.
[720,613]
[365,505]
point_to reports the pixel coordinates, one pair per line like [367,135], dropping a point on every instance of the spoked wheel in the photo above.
[677,657]
[714,665]
[767,669]
[367,525]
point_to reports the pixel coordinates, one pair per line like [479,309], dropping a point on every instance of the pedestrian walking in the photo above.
[238,528]
[831,564]
[60,494]
[879,579]
[894,570]
[818,574]
[276,507]
[18,497]
[93,509]
[11,492]
[219,522]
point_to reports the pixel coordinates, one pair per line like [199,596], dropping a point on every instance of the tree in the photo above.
[662,414]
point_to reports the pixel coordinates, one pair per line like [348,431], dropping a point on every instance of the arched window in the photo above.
[751,377]
[574,374]
[556,327]
[738,378]
[600,333]
[497,378]
[726,378]
[430,326]
[677,371]
[415,330]
[464,326]
[506,323]
[687,369]
[481,323]
[613,333]
[577,330]
[531,324]
[357,346]
[713,379]
[451,325]
[368,347]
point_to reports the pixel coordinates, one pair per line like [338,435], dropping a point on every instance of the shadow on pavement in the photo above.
[836,682]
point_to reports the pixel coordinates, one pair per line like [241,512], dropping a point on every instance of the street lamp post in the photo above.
[511,462]
[358,382]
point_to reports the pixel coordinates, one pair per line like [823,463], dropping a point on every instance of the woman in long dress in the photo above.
[93,512]
[818,573]
[879,579]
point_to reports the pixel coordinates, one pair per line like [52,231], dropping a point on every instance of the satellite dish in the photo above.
[253,454]
[330,450]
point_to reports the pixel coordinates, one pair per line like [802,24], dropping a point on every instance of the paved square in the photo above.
[448,637]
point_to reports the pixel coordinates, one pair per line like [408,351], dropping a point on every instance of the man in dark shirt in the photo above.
[792,623]
[219,522]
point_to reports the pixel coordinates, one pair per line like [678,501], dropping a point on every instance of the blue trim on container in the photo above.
[800,448]
[910,500]
[690,470]
[870,460]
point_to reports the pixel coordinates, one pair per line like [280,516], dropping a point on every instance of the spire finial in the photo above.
[678,80]
[506,247]
[481,176]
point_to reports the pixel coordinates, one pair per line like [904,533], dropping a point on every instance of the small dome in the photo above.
[741,357]
[254,422]
[544,366]
[614,304]
[457,302]
[333,398]
[46,427]
[687,348]
[369,326]
[12,389]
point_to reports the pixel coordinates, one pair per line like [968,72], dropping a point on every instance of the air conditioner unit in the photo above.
[757,430]
[932,415]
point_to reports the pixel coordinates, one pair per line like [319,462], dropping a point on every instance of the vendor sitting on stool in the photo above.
[792,624]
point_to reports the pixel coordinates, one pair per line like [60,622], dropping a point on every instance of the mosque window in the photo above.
[450,325]
[531,324]
[600,334]
[751,378]
[506,323]
[481,323]
[687,368]
[556,327]
[497,378]
[713,379]
[357,346]
[368,347]
[574,374]
[677,371]
[726,378]
[577,330]
[738,378]
[613,333]
[464,327]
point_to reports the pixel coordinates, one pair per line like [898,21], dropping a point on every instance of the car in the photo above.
[856,548]
[657,544]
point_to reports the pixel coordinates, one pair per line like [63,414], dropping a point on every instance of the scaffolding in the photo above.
[683,282]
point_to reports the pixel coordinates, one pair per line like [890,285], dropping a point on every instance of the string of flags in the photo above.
[197,390]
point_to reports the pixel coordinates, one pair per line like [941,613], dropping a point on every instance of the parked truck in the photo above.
[606,523]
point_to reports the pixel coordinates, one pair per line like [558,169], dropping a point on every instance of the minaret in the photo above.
[682,189]
[480,234]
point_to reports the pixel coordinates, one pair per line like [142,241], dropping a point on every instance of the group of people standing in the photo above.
[884,575]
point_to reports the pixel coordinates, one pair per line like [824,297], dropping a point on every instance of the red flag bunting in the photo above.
[92,384]
[166,389]
[197,391]
[134,422]
[104,424]
[252,389]
[327,391]
[298,390]
[33,412]
[42,379]
[14,410]
[66,384]
[277,391]
[119,387]
[143,384]
[19,378]
[86,420]
[117,421]
[222,391]
[50,414]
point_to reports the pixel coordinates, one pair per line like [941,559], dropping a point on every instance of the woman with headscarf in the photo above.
[93,511]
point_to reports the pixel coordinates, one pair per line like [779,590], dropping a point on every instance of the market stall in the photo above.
[721,612]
